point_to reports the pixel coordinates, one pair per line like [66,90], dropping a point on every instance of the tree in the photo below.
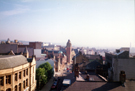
[41,77]
[48,70]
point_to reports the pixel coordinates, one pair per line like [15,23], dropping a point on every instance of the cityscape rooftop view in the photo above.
[67,45]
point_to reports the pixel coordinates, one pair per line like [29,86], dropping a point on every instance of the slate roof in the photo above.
[93,65]
[25,50]
[76,51]
[30,50]
[76,56]
[8,61]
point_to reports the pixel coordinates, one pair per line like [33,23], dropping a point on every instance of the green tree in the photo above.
[48,69]
[41,77]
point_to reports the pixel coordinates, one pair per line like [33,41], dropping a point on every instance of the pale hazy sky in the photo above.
[93,23]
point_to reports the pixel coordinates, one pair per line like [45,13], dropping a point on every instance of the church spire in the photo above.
[26,52]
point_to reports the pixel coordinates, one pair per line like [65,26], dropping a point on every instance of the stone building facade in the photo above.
[17,73]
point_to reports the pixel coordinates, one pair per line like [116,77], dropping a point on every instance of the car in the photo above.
[54,85]
[66,82]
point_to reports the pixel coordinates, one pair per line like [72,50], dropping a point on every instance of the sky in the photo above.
[89,23]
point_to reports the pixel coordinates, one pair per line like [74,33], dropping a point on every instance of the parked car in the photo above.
[54,85]
[66,82]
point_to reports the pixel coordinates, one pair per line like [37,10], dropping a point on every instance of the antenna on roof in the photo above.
[130,47]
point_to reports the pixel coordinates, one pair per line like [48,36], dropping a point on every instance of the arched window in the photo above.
[9,89]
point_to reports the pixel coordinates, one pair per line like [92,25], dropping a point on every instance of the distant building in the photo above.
[52,47]
[58,56]
[37,48]
[93,57]
[45,44]
[17,73]
[34,48]
[91,52]
[68,51]
[11,42]
[81,60]
[14,49]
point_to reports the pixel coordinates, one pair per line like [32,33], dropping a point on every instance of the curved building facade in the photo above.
[17,73]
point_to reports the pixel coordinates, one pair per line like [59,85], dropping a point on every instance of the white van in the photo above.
[66,82]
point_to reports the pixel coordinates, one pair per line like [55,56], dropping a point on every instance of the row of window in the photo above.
[8,80]
[25,84]
[25,72]
[8,77]
[19,89]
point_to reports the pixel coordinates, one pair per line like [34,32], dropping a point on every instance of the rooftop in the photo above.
[8,61]
[96,83]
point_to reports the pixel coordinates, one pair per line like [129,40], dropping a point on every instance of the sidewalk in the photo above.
[47,87]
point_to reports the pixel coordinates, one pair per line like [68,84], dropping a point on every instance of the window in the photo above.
[24,73]
[8,79]
[2,81]
[20,75]
[16,88]
[19,86]
[33,79]
[33,69]
[9,89]
[26,82]
[23,84]
[15,76]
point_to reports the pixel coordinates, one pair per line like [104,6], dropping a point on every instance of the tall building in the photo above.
[68,51]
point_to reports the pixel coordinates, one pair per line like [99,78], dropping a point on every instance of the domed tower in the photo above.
[68,51]
[8,41]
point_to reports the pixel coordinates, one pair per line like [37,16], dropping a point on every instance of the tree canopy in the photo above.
[44,73]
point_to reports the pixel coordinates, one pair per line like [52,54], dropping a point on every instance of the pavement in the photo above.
[48,85]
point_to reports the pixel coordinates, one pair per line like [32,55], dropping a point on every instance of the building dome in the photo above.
[68,43]
[8,41]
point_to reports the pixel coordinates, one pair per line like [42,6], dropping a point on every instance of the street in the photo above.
[64,74]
